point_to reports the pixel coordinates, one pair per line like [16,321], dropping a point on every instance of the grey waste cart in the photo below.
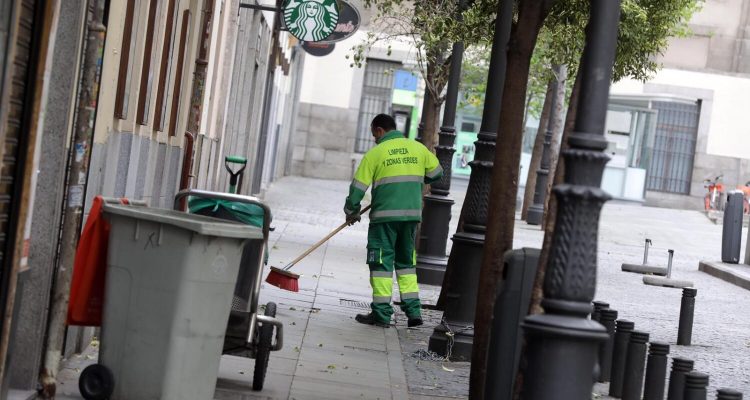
[169,285]
[248,333]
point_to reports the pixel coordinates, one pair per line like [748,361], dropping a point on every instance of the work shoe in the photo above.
[414,322]
[369,319]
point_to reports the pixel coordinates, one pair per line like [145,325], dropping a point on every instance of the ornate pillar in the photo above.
[455,335]
[562,343]
[436,215]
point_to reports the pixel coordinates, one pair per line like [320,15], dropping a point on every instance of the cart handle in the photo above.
[228,197]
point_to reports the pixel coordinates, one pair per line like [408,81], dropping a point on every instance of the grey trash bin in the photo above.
[511,307]
[731,238]
[170,283]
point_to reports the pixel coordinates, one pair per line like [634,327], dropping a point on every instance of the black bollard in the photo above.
[598,307]
[728,394]
[680,366]
[656,371]
[623,329]
[607,318]
[695,386]
[687,310]
[634,366]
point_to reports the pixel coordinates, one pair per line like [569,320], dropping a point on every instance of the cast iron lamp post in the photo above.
[562,344]
[436,215]
[455,335]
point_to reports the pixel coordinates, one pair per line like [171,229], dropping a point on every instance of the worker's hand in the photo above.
[353,219]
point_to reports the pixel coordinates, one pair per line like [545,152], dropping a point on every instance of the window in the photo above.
[144,96]
[377,93]
[178,75]
[673,148]
[165,72]
[126,52]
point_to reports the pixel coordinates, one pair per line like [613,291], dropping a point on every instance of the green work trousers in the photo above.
[389,245]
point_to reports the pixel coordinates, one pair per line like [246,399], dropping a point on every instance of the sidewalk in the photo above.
[327,355]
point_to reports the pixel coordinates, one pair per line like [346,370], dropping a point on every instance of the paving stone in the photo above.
[318,389]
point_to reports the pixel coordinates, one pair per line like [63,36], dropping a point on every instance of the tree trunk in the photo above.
[557,131]
[549,227]
[431,124]
[502,210]
[536,153]
[435,72]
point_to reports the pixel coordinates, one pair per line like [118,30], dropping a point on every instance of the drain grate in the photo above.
[354,303]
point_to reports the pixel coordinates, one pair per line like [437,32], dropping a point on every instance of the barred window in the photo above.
[377,94]
[673,149]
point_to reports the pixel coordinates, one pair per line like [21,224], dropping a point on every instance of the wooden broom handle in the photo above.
[321,241]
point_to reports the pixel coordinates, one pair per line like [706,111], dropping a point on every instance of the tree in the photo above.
[645,27]
[499,236]
[536,152]
[474,79]
[431,28]
[474,76]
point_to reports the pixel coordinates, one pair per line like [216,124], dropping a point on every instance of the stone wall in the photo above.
[324,142]
[720,39]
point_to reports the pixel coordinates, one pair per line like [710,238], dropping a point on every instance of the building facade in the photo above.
[181,84]
[689,123]
[338,100]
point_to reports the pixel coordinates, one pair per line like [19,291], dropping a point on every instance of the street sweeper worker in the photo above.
[397,169]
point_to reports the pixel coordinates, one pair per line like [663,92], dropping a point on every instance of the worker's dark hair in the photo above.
[384,121]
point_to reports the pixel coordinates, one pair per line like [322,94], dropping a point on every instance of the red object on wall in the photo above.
[90,270]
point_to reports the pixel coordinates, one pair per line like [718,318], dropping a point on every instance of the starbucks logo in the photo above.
[311,20]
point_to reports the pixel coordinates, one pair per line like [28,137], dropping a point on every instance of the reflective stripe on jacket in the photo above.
[397,168]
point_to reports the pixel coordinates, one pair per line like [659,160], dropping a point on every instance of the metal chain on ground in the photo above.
[428,355]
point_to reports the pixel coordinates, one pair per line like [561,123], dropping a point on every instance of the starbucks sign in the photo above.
[311,20]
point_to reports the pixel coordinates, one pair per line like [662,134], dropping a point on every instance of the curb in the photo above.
[736,274]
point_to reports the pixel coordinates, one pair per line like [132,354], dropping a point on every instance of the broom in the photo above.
[287,280]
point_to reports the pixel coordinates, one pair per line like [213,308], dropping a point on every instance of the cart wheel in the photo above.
[96,382]
[264,349]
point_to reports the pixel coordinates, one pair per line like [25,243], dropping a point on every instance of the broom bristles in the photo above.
[283,279]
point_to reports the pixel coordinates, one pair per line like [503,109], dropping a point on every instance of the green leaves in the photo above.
[432,26]
[645,27]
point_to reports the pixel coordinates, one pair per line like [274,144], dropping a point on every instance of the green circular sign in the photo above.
[311,20]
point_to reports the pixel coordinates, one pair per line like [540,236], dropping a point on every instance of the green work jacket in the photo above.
[397,168]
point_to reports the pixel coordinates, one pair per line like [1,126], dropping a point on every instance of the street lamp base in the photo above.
[452,341]
[560,348]
[430,270]
[535,215]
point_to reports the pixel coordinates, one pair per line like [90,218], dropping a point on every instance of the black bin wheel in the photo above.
[96,382]
[264,349]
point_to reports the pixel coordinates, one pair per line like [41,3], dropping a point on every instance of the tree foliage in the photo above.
[645,28]
[431,27]
[644,32]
